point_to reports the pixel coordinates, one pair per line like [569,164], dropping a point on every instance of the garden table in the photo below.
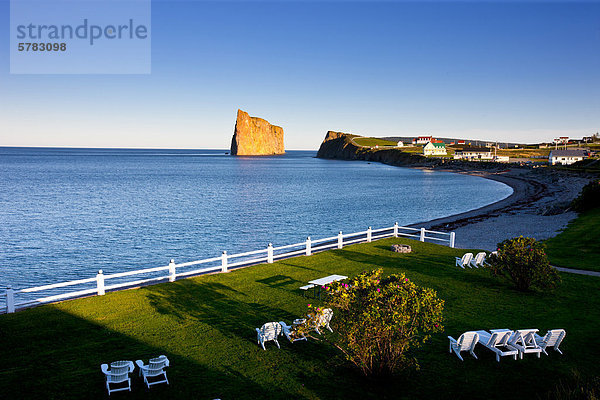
[326,280]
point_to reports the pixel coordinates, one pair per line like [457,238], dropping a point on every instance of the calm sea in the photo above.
[66,213]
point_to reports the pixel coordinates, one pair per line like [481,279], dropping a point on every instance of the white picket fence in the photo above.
[98,284]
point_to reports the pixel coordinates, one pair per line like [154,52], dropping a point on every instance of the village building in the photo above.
[434,149]
[503,159]
[474,153]
[400,144]
[423,139]
[566,157]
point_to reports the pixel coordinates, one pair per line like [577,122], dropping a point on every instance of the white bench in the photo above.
[306,287]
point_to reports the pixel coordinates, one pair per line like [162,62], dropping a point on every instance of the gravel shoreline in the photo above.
[538,207]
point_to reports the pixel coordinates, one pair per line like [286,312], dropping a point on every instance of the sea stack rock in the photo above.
[255,137]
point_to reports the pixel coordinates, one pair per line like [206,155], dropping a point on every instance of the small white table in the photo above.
[326,280]
[524,341]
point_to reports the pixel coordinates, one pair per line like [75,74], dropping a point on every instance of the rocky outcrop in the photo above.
[255,137]
[339,145]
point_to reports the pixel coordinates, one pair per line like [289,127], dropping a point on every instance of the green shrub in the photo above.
[588,198]
[378,320]
[523,260]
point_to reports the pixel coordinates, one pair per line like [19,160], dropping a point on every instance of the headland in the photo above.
[539,206]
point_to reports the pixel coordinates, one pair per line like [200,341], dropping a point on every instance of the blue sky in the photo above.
[493,71]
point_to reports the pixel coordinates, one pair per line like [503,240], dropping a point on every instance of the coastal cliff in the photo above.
[255,137]
[339,145]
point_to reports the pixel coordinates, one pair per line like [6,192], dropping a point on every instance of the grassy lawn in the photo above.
[370,142]
[205,325]
[578,245]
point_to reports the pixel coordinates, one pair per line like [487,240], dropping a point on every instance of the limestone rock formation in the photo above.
[255,137]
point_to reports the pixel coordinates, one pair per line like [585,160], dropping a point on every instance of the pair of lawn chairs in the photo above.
[153,373]
[468,260]
[272,330]
[504,342]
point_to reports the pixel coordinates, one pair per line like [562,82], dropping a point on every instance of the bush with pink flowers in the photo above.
[379,320]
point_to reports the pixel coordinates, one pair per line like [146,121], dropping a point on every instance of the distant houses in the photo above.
[474,153]
[434,149]
[423,140]
[566,157]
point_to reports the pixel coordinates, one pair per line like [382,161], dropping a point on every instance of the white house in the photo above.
[434,149]
[474,153]
[566,157]
[400,144]
[423,139]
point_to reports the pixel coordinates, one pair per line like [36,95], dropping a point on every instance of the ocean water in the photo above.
[67,213]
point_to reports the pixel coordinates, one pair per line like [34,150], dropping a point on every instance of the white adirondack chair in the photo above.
[524,341]
[478,260]
[553,338]
[118,373]
[155,370]
[466,341]
[324,320]
[464,261]
[267,332]
[287,330]
[497,341]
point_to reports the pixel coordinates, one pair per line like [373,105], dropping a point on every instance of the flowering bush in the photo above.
[379,319]
[523,260]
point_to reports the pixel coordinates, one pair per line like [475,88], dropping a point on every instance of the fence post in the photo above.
[308,246]
[224,262]
[10,300]
[270,253]
[452,238]
[369,235]
[422,239]
[340,240]
[395,229]
[100,283]
[172,273]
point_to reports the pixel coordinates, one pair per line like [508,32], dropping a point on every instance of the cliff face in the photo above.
[255,137]
[338,145]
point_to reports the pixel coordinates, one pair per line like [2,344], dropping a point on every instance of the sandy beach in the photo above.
[538,207]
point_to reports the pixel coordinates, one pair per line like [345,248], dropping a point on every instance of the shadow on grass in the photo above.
[216,305]
[279,281]
[57,355]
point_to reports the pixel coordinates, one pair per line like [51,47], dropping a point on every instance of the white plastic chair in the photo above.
[524,341]
[497,341]
[287,330]
[154,369]
[118,373]
[553,338]
[464,261]
[267,332]
[478,260]
[324,320]
[466,341]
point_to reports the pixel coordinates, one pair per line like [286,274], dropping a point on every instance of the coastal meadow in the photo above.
[206,327]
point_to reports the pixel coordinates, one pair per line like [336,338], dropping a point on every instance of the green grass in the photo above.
[205,326]
[370,142]
[578,246]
